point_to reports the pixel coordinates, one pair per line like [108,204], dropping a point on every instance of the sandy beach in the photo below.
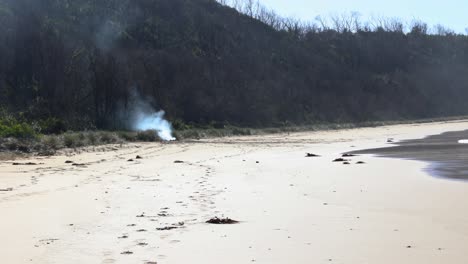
[290,208]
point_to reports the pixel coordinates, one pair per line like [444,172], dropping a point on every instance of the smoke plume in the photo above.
[153,121]
[142,116]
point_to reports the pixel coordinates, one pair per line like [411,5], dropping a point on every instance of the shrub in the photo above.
[13,128]
[71,140]
[127,136]
[180,125]
[51,142]
[191,133]
[148,135]
[92,138]
[52,126]
[11,144]
[107,137]
[241,131]
[81,136]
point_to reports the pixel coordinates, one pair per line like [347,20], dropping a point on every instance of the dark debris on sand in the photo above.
[340,160]
[312,155]
[221,221]
[27,163]
[166,228]
[6,190]
[178,161]
[347,155]
[127,253]
[139,157]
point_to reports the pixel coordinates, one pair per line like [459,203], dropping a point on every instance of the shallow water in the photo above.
[447,153]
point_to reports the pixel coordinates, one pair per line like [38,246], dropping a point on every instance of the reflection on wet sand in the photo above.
[447,153]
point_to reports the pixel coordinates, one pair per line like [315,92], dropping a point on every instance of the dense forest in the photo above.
[205,62]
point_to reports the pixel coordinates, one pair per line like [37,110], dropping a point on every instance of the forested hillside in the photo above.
[79,62]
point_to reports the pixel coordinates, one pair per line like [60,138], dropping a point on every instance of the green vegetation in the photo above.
[11,127]
[51,126]
[49,144]
[18,130]
[211,132]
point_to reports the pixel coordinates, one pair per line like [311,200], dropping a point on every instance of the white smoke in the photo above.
[141,115]
[153,121]
[463,141]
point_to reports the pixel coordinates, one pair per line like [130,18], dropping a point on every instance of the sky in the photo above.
[450,13]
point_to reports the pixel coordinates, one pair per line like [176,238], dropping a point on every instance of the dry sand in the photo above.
[292,209]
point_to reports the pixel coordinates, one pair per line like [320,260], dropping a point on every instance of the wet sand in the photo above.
[447,153]
[291,208]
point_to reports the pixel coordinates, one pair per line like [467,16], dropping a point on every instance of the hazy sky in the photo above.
[451,13]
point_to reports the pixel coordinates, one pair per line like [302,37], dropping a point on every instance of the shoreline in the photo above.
[447,157]
[292,209]
[115,139]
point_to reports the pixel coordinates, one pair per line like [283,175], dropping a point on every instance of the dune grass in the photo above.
[23,140]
